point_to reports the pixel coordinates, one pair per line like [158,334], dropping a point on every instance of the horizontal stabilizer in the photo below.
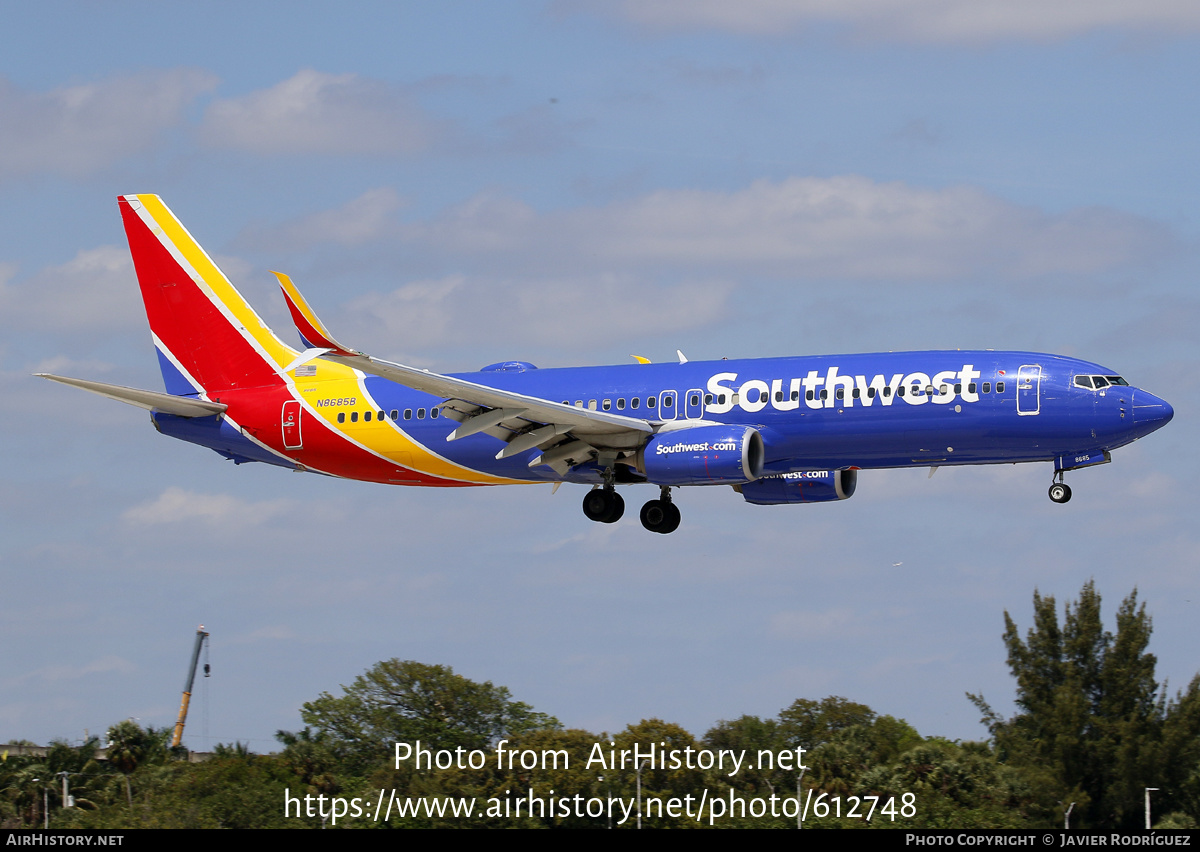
[150,400]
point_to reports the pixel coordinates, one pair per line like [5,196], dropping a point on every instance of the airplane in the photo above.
[778,430]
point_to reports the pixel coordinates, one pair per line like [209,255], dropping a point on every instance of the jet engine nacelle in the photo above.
[703,455]
[805,486]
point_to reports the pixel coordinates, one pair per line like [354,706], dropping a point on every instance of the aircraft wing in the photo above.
[566,434]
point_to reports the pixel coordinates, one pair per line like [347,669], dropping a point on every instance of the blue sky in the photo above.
[568,183]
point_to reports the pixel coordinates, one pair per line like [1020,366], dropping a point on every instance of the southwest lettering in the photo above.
[786,394]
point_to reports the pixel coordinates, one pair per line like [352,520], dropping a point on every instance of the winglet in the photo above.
[312,330]
[640,359]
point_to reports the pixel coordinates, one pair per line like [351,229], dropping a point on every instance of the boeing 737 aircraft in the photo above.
[778,430]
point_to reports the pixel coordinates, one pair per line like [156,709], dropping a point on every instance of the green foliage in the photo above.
[130,745]
[809,723]
[1095,727]
[406,701]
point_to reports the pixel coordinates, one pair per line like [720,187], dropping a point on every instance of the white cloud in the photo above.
[359,221]
[108,665]
[96,289]
[316,113]
[77,130]
[847,227]
[920,20]
[566,311]
[175,505]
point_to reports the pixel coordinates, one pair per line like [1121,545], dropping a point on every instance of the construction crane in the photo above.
[201,638]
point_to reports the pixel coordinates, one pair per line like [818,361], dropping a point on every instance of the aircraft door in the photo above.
[292,439]
[667,405]
[1029,388]
[694,404]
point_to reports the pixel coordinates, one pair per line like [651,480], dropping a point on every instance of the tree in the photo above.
[130,745]
[1094,726]
[406,701]
[809,723]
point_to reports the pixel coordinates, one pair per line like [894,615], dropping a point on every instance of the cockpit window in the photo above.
[1099,382]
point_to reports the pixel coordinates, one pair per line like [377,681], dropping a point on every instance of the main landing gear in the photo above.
[606,506]
[1060,492]
[661,516]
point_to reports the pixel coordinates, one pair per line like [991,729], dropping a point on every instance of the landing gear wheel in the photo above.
[673,518]
[617,510]
[1060,492]
[603,505]
[660,516]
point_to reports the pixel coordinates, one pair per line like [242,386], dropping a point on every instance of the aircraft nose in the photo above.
[1150,410]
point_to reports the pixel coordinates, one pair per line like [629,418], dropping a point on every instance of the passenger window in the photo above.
[607,404]
[888,391]
[408,414]
[591,405]
[795,395]
[999,387]
[668,401]
[854,393]
[695,399]
[341,417]
[945,389]
[841,393]
[870,393]
[380,415]
[987,387]
[579,403]
[434,412]
[899,390]
[808,395]
[824,394]
[708,399]
[779,396]
[353,416]
[721,399]
[367,417]
[651,402]
[420,413]
[971,387]
[395,415]
[635,402]
[620,404]
[958,388]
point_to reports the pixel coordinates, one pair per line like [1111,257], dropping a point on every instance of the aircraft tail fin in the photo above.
[208,337]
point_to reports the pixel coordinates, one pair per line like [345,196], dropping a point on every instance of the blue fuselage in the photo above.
[877,410]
